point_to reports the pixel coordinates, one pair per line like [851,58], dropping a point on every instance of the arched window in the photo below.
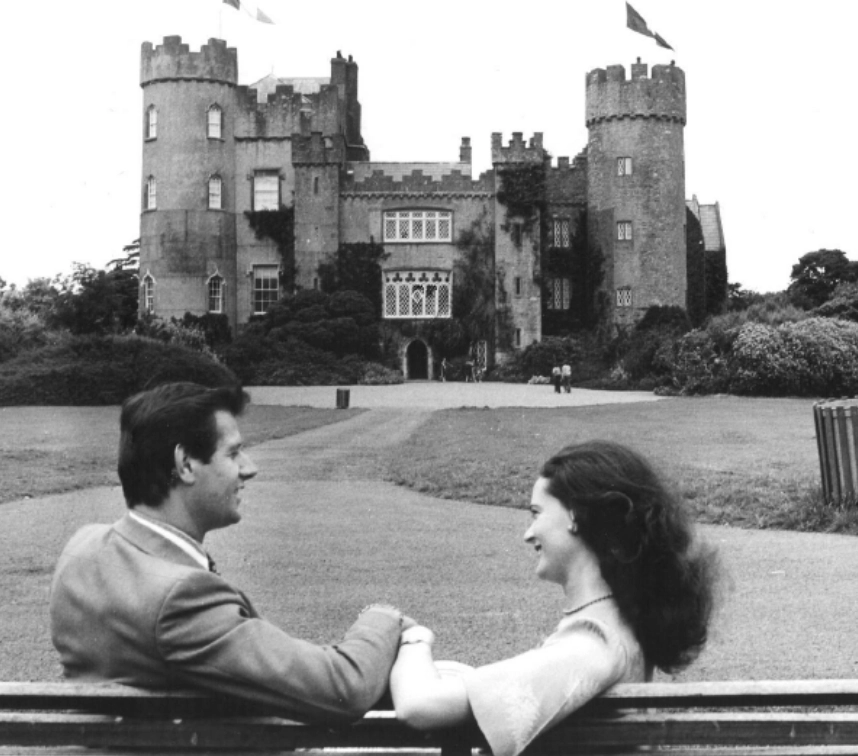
[150,199]
[215,286]
[215,193]
[148,286]
[151,122]
[215,121]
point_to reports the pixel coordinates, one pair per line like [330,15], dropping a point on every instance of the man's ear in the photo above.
[183,468]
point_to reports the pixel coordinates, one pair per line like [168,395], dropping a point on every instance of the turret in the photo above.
[636,185]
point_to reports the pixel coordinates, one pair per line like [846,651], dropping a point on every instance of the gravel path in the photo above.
[789,608]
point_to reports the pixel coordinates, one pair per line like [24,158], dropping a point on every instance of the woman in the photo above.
[638,595]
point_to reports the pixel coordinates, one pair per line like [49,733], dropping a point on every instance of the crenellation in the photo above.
[414,178]
[518,151]
[173,60]
[611,96]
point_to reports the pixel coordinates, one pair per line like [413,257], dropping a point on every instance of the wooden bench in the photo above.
[793,718]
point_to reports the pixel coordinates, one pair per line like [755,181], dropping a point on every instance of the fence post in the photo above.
[836,423]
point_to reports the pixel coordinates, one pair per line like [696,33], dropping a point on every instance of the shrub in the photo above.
[700,367]
[94,370]
[22,330]
[173,331]
[378,375]
[649,351]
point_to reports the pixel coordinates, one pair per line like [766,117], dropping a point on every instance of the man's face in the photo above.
[215,494]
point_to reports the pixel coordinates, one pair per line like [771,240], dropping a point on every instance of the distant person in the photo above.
[444,368]
[566,376]
[556,378]
[469,370]
[638,594]
[140,603]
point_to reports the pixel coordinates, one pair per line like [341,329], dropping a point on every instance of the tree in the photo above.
[817,274]
[355,267]
[97,301]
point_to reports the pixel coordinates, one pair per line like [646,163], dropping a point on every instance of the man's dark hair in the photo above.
[154,422]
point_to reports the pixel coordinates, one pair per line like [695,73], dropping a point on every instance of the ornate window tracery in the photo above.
[148,286]
[559,293]
[624,296]
[418,294]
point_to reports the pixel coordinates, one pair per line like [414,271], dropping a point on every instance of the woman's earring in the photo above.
[573,527]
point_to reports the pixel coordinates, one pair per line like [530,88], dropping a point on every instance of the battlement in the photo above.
[611,96]
[415,178]
[566,183]
[518,151]
[316,149]
[173,60]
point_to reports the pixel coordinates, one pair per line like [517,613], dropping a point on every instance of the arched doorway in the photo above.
[417,361]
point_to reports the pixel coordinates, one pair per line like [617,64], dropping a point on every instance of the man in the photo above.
[139,602]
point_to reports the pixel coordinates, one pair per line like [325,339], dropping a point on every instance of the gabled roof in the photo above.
[710,223]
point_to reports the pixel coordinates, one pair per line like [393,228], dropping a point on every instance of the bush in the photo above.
[378,375]
[22,330]
[174,331]
[97,370]
[647,354]
[700,367]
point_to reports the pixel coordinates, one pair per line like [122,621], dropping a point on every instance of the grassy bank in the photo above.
[737,461]
[46,450]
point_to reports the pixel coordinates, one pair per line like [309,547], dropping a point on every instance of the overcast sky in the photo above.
[771,103]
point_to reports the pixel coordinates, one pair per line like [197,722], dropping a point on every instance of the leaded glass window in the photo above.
[215,193]
[417,226]
[624,296]
[417,294]
[266,190]
[624,166]
[559,294]
[562,238]
[624,231]
[148,287]
[215,292]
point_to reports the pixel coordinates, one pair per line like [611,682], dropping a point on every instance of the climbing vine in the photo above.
[279,227]
[523,194]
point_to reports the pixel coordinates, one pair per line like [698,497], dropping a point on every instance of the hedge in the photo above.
[102,370]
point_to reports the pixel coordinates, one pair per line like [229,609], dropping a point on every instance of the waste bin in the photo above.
[837,437]
[342,398]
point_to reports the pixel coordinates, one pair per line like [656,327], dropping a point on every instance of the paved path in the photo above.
[436,395]
[789,607]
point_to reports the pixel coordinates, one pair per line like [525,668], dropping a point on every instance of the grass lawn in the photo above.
[47,450]
[745,462]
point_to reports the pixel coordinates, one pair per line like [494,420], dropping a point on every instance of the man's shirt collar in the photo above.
[191,547]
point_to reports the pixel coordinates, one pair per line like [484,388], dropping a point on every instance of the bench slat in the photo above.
[120,699]
[573,736]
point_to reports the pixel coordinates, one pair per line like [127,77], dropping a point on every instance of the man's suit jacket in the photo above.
[128,606]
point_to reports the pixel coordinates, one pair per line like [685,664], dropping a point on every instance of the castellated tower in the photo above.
[517,243]
[636,185]
[187,228]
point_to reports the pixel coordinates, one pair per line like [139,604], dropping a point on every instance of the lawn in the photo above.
[745,462]
[47,450]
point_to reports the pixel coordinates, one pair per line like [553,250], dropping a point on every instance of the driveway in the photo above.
[437,395]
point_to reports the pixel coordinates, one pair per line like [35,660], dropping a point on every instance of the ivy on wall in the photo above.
[278,226]
[523,193]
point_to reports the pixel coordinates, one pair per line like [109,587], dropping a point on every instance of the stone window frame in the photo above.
[263,295]
[625,230]
[215,293]
[517,286]
[417,294]
[214,122]
[624,296]
[147,293]
[151,123]
[517,341]
[256,192]
[215,192]
[559,293]
[400,226]
[625,166]
[150,194]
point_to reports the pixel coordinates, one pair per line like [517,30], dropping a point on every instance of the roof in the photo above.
[710,223]
[302,85]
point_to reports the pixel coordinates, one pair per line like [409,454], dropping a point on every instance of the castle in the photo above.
[214,150]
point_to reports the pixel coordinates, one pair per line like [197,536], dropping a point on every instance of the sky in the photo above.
[771,104]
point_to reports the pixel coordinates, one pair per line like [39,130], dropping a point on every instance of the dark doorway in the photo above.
[417,357]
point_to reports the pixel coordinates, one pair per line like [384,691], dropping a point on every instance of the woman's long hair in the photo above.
[661,577]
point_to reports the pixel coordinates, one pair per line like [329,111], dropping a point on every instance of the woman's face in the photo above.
[549,533]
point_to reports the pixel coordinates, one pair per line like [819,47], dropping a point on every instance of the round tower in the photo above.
[187,226]
[636,185]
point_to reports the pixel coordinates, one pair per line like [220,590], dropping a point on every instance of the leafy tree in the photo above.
[739,299]
[817,274]
[97,301]
[355,267]
[843,303]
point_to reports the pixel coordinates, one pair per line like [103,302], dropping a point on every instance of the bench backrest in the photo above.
[787,717]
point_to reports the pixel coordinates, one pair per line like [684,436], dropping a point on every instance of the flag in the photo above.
[260,16]
[635,22]
[233,3]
